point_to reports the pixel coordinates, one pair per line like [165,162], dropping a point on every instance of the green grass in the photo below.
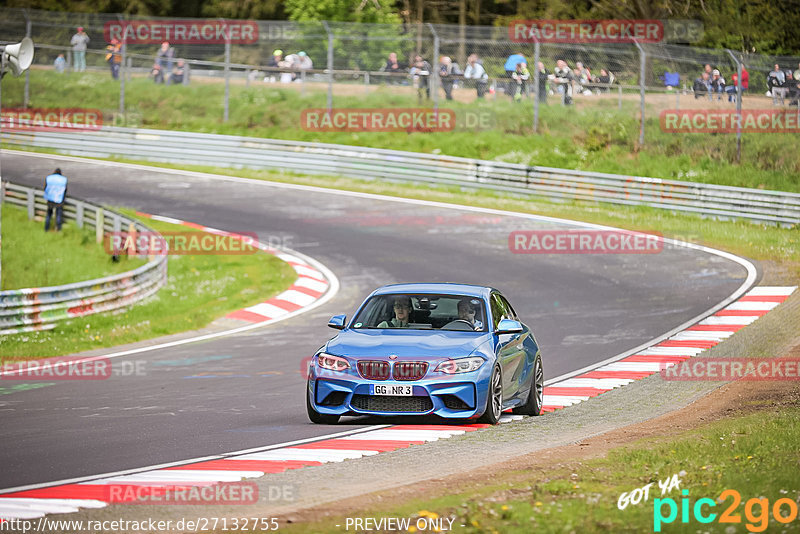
[597,136]
[755,455]
[33,258]
[199,290]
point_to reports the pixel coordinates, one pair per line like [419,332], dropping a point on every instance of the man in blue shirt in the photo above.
[55,190]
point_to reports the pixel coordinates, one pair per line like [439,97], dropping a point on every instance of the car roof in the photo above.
[447,288]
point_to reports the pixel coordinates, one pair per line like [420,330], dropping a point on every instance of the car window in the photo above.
[507,305]
[501,309]
[423,312]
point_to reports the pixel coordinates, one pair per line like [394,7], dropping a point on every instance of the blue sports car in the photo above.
[452,350]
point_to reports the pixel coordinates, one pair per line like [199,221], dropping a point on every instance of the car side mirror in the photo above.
[508,326]
[337,322]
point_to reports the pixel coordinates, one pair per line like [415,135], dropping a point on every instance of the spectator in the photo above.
[475,71]
[157,73]
[55,191]
[447,73]
[303,62]
[792,88]
[541,79]
[164,58]
[521,75]
[180,74]
[702,86]
[510,67]
[776,81]
[420,72]
[79,44]
[707,70]
[583,76]
[273,65]
[60,64]
[605,80]
[745,79]
[732,89]
[394,67]
[562,76]
[114,57]
[717,84]
[796,74]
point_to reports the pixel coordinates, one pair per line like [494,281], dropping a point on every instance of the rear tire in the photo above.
[494,399]
[533,406]
[319,418]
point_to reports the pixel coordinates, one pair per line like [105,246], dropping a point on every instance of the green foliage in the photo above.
[369,11]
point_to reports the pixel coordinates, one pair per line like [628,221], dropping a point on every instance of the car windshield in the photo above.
[423,312]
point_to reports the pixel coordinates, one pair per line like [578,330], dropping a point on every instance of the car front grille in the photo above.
[409,370]
[380,403]
[373,369]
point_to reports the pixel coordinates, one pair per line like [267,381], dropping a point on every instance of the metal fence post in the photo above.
[26,97]
[330,64]
[79,214]
[536,53]
[642,59]
[226,112]
[434,77]
[738,106]
[99,222]
[31,204]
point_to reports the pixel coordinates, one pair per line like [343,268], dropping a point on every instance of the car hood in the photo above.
[425,344]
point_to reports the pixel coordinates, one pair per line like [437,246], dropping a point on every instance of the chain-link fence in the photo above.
[347,60]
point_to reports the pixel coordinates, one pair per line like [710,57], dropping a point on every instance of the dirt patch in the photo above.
[734,399]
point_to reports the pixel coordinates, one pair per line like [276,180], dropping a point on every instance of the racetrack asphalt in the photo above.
[246,390]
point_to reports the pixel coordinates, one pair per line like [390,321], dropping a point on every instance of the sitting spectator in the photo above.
[562,77]
[583,77]
[420,71]
[733,88]
[702,86]
[60,64]
[521,75]
[707,70]
[717,84]
[273,65]
[393,66]
[542,76]
[447,73]
[157,73]
[776,81]
[671,79]
[475,71]
[604,81]
[303,62]
[180,74]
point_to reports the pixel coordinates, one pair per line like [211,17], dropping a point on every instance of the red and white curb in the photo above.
[310,286]
[680,346]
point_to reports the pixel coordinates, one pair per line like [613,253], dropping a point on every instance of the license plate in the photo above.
[391,389]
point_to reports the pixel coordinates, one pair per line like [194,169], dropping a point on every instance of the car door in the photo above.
[509,348]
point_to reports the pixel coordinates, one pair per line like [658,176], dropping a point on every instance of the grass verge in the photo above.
[593,135]
[33,258]
[199,289]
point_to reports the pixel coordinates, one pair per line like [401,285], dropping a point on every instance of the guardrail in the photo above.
[24,310]
[724,202]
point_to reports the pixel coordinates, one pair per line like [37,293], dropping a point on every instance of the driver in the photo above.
[402,313]
[466,312]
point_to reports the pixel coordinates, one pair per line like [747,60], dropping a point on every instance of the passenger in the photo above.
[402,314]
[467,311]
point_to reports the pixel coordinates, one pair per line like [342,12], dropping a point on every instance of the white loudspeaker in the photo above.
[19,56]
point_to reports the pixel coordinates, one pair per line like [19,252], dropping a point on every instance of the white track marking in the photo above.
[650,367]
[671,351]
[598,383]
[771,291]
[752,306]
[729,319]
[701,335]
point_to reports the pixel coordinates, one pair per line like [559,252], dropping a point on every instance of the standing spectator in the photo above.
[562,76]
[521,75]
[702,86]
[447,73]
[717,84]
[114,57]
[745,79]
[475,71]
[510,67]
[583,77]
[776,81]
[60,64]
[797,72]
[420,72]
[541,79]
[79,43]
[164,58]
[55,190]
[393,66]
[792,88]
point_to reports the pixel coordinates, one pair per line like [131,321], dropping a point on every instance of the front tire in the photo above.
[494,399]
[533,406]
[319,418]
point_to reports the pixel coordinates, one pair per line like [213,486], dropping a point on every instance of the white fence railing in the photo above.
[724,202]
[23,310]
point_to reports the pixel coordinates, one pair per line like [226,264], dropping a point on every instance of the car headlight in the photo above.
[331,362]
[461,365]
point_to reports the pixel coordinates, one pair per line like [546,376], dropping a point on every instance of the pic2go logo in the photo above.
[756,511]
